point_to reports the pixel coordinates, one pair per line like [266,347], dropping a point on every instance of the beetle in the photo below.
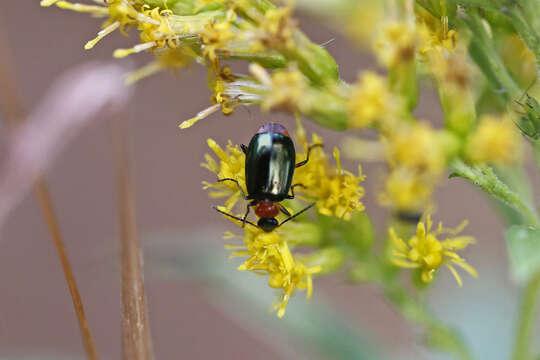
[269,170]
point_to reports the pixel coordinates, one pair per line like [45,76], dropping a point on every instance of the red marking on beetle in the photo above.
[267,209]
[273,127]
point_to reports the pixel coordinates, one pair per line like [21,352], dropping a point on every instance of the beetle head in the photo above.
[267,224]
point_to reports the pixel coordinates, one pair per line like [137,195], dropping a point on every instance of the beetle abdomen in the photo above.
[270,162]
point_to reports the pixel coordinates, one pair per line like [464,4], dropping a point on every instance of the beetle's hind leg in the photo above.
[244,148]
[249,205]
[246,197]
[244,221]
[284,210]
[302,163]
[292,190]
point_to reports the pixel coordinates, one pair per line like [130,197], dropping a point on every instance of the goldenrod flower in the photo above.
[417,147]
[120,13]
[275,30]
[495,140]
[417,156]
[269,254]
[336,191]
[424,251]
[287,89]
[372,102]
[215,36]
[230,164]
[407,191]
[436,34]
[398,42]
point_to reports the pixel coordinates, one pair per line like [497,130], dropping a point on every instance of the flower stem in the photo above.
[484,177]
[536,153]
[12,104]
[527,319]
[437,335]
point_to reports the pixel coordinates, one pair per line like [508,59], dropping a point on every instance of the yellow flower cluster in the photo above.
[203,33]
[424,251]
[276,30]
[231,165]
[416,155]
[336,191]
[398,42]
[372,103]
[287,90]
[495,140]
[269,254]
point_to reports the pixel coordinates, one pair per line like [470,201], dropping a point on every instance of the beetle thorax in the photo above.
[267,209]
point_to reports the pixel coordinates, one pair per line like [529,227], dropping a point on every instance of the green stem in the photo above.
[437,335]
[484,177]
[536,152]
[525,32]
[527,320]
[483,52]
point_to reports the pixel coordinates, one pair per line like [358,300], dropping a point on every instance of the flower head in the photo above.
[230,164]
[269,254]
[371,101]
[417,147]
[424,251]
[398,42]
[287,89]
[407,191]
[494,141]
[336,191]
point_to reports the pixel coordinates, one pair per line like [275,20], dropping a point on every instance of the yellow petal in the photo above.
[468,268]
[405,264]
[456,275]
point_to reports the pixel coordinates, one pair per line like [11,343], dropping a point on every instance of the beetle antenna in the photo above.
[240,219]
[298,213]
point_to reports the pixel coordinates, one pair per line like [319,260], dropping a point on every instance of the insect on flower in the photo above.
[269,169]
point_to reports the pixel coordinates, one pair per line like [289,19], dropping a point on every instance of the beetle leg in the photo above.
[244,219]
[244,148]
[298,213]
[292,190]
[234,217]
[238,184]
[302,163]
[285,211]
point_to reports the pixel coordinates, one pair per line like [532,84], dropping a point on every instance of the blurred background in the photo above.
[200,307]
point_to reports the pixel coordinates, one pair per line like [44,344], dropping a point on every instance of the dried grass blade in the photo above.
[136,337]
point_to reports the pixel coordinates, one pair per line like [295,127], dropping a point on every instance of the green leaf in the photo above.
[524,249]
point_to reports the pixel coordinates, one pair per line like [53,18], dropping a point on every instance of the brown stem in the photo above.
[136,338]
[12,106]
[42,192]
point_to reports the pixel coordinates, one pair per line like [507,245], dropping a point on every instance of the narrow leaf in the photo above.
[524,249]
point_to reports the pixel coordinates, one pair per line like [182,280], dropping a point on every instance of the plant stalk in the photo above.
[12,105]
[527,320]
[136,337]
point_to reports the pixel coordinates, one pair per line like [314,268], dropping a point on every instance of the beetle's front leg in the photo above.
[292,190]
[302,163]
[246,197]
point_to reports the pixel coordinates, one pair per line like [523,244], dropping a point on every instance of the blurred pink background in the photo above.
[36,315]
